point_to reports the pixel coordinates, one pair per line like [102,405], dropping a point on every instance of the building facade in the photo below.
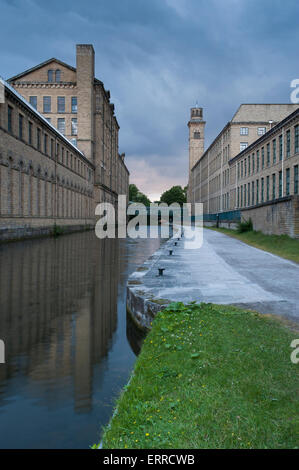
[58,148]
[210,173]
[264,179]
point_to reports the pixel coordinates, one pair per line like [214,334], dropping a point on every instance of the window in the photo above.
[248,194]
[74,142]
[280,184]
[243,130]
[249,162]
[261,130]
[244,194]
[58,75]
[257,160]
[61,125]
[21,119]
[33,101]
[60,104]
[296,141]
[288,143]
[38,139]
[280,147]
[252,193]
[245,167]
[30,133]
[253,163]
[296,182]
[273,186]
[257,191]
[287,182]
[263,158]
[243,146]
[262,190]
[274,151]
[242,169]
[268,188]
[268,154]
[196,135]
[74,126]
[45,143]
[238,171]
[9,119]
[46,104]
[241,196]
[52,148]
[49,120]
[50,75]
[74,104]
[238,197]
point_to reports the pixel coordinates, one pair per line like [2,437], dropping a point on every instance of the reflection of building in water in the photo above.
[58,311]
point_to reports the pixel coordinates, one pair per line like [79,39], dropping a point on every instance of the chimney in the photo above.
[85,97]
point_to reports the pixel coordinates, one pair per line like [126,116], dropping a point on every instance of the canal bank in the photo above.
[208,376]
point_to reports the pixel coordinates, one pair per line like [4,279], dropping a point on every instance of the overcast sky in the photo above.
[158,57]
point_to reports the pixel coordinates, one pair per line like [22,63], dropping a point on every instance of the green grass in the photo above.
[210,377]
[281,245]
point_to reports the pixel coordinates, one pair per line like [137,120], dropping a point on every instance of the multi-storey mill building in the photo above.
[209,170]
[58,148]
[78,105]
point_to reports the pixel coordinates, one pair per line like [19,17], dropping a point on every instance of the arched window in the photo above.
[196,135]
[57,75]
[50,75]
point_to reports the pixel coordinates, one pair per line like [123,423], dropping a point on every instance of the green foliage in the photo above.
[245,226]
[174,194]
[57,230]
[136,196]
[209,376]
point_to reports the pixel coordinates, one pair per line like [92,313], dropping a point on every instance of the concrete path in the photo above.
[225,271]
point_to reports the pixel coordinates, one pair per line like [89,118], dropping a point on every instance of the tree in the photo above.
[137,196]
[133,191]
[174,194]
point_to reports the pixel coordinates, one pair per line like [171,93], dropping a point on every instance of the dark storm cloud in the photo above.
[158,57]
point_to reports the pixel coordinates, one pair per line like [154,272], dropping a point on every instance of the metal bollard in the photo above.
[170,252]
[161,271]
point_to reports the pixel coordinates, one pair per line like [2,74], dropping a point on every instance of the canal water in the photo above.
[63,321]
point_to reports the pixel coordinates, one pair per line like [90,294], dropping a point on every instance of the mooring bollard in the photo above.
[161,271]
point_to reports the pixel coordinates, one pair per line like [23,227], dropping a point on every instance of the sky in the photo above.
[158,58]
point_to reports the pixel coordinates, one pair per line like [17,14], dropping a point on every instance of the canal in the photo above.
[63,320]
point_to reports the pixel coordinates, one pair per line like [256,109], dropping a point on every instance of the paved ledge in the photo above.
[223,271]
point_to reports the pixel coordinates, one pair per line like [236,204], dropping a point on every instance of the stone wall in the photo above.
[276,217]
[44,180]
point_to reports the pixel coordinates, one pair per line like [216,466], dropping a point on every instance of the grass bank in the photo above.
[210,377]
[281,245]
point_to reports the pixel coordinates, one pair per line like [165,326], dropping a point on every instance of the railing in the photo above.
[229,216]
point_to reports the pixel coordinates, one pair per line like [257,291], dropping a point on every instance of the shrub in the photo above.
[245,226]
[57,230]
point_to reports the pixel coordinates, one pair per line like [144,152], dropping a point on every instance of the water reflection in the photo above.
[63,320]
[135,335]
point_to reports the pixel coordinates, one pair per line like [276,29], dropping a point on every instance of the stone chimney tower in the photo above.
[85,97]
[196,143]
[196,136]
